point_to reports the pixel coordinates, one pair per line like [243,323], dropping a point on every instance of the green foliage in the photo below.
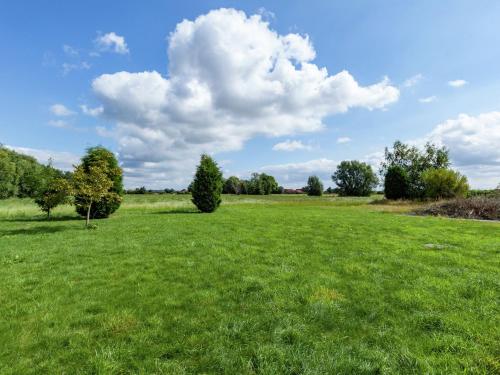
[354,178]
[21,175]
[232,186]
[57,191]
[262,184]
[314,186]
[111,201]
[415,161]
[92,184]
[207,185]
[396,183]
[244,187]
[444,183]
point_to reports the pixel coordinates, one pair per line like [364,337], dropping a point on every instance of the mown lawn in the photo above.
[265,285]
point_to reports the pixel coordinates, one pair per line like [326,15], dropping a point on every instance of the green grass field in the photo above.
[265,285]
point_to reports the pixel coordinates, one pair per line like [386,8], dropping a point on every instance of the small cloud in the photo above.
[290,145]
[70,51]
[61,124]
[412,81]
[428,99]
[67,67]
[266,14]
[94,112]
[61,110]
[343,140]
[112,42]
[48,59]
[457,83]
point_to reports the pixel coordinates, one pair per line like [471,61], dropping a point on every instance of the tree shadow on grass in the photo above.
[32,231]
[35,219]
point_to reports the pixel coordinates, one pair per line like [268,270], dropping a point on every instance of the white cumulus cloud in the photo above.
[60,110]
[457,83]
[472,140]
[230,78]
[111,42]
[474,146]
[291,145]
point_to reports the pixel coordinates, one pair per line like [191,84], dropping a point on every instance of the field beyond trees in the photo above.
[264,285]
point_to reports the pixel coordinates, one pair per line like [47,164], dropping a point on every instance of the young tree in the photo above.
[443,183]
[396,183]
[91,184]
[57,191]
[354,178]
[109,203]
[314,186]
[207,185]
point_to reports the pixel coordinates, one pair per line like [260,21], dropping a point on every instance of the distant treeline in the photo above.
[22,175]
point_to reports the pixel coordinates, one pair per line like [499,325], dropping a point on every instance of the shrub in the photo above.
[444,183]
[111,201]
[207,185]
[415,161]
[314,186]
[396,183]
[56,192]
[470,208]
[354,178]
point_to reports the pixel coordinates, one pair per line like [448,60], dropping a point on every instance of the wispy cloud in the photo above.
[69,67]
[61,124]
[428,99]
[94,112]
[414,80]
[70,51]
[343,140]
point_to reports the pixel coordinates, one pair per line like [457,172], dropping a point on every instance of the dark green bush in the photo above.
[207,185]
[232,186]
[111,202]
[396,183]
[314,186]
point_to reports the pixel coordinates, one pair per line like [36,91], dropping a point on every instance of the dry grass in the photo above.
[483,208]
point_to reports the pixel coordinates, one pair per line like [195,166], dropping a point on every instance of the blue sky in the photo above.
[441,60]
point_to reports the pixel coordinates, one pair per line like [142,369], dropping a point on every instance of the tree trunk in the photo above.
[88,215]
[48,214]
